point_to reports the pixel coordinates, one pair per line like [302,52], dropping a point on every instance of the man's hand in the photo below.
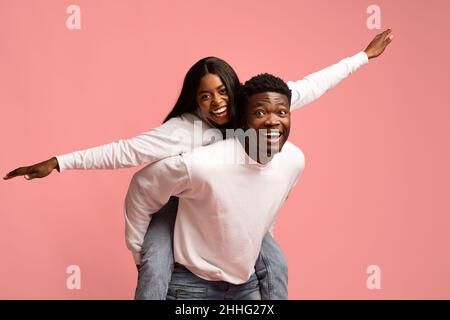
[38,170]
[379,43]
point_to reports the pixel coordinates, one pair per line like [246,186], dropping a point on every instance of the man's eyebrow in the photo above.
[268,100]
[261,100]
[260,103]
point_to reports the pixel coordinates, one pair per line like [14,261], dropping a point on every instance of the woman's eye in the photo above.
[223,91]
[204,97]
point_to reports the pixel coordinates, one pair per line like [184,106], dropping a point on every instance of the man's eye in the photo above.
[259,113]
[283,112]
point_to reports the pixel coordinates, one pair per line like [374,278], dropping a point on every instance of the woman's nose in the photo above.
[216,99]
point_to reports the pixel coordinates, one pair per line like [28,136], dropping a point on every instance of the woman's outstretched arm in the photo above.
[178,135]
[38,170]
[313,86]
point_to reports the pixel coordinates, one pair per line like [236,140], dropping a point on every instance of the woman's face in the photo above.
[212,98]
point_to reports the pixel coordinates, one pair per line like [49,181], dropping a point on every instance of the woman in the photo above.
[207,95]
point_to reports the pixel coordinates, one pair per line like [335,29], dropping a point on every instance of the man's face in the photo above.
[268,113]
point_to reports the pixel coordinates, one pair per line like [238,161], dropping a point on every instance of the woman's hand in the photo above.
[379,43]
[38,170]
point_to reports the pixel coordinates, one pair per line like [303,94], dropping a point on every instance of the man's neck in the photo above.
[262,156]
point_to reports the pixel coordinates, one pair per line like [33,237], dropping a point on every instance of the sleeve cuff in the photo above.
[361,57]
[63,160]
[137,257]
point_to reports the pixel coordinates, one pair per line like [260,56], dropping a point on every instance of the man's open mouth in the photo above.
[272,136]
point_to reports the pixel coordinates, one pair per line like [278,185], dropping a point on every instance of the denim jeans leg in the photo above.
[185,285]
[157,259]
[248,291]
[272,270]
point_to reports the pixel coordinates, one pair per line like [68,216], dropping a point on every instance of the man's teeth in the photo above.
[272,134]
[220,110]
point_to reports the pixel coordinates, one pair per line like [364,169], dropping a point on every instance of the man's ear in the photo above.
[243,120]
[244,124]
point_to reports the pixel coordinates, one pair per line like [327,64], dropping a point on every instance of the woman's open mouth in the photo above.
[220,112]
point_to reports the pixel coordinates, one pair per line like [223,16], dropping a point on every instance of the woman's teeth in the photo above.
[220,111]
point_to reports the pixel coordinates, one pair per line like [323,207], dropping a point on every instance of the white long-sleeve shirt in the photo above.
[179,134]
[225,206]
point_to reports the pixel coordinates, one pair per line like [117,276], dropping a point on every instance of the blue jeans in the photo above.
[157,262]
[187,286]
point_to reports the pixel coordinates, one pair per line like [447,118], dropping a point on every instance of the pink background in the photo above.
[375,190]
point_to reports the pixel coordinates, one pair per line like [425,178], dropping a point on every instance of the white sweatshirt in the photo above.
[177,136]
[225,208]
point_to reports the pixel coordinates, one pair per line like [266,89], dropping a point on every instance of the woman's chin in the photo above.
[219,121]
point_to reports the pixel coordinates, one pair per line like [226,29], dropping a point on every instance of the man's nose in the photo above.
[272,120]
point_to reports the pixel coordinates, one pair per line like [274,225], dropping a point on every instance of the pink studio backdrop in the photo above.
[375,190]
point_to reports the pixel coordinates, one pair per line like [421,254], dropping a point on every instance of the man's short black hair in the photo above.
[264,82]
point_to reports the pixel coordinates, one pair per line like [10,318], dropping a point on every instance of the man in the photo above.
[229,195]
